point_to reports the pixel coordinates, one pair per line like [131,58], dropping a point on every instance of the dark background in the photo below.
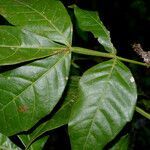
[128,22]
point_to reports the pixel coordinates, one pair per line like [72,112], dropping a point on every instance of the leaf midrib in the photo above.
[38,50]
[18,48]
[109,75]
[25,47]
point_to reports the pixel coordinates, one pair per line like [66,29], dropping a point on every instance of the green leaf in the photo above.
[106,103]
[30,92]
[41,28]
[38,145]
[89,21]
[62,115]
[123,143]
[6,144]
[21,45]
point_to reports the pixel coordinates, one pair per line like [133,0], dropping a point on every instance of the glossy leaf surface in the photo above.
[89,21]
[106,103]
[30,92]
[18,45]
[6,144]
[38,25]
[62,115]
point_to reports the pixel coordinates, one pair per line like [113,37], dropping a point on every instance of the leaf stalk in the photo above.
[85,51]
[142,112]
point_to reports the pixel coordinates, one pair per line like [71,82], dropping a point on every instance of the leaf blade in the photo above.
[31,92]
[106,104]
[39,17]
[28,46]
[6,144]
[89,21]
[38,30]
[38,145]
[122,144]
[61,117]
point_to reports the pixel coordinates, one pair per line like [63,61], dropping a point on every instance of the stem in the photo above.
[142,112]
[90,52]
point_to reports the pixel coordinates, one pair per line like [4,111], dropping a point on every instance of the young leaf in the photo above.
[37,26]
[123,143]
[62,115]
[30,92]
[6,144]
[89,21]
[106,103]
